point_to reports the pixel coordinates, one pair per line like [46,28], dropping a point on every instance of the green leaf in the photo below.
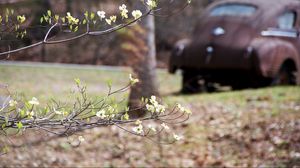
[56,18]
[86,14]
[17,27]
[22,113]
[3,126]
[19,125]
[125,116]
[46,18]
[49,13]
[109,83]
[21,19]
[84,21]
[77,81]
[27,105]
[92,15]
[42,20]
[76,29]
[6,120]
[63,19]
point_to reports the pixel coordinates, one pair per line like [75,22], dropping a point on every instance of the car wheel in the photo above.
[238,86]
[209,87]
[285,76]
[190,82]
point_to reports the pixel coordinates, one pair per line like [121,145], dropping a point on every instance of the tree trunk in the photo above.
[145,68]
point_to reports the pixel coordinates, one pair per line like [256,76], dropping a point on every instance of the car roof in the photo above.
[262,4]
[267,9]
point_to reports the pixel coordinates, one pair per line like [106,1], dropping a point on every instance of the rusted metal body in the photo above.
[244,48]
[10,1]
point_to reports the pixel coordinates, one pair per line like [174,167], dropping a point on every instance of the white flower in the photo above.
[155,107]
[124,13]
[138,129]
[112,115]
[122,7]
[34,101]
[188,111]
[108,21]
[177,137]
[57,112]
[30,114]
[81,139]
[101,14]
[152,128]
[138,122]
[295,154]
[101,114]
[111,19]
[153,101]
[12,103]
[151,3]
[165,126]
[160,108]
[184,110]
[110,110]
[133,80]
[72,20]
[180,107]
[136,14]
[150,108]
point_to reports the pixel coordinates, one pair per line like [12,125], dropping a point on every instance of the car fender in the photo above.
[177,56]
[271,53]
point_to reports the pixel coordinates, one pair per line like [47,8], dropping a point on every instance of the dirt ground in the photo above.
[251,134]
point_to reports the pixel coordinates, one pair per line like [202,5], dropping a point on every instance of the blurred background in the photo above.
[102,49]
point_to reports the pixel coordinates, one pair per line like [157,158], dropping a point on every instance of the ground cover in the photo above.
[254,127]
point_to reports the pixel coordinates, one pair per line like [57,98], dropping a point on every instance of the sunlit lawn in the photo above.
[227,128]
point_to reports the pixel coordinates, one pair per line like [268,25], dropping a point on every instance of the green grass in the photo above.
[57,82]
[46,83]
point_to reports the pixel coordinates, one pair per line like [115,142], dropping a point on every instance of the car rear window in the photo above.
[233,10]
[287,20]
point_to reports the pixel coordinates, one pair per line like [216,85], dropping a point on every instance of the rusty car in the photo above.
[241,43]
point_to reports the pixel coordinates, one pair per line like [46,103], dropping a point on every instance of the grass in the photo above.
[226,129]
[47,82]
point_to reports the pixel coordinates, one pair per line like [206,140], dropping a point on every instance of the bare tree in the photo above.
[145,67]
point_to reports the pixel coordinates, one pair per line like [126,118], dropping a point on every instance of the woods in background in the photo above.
[101,50]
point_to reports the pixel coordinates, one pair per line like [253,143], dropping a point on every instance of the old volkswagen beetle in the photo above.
[241,43]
